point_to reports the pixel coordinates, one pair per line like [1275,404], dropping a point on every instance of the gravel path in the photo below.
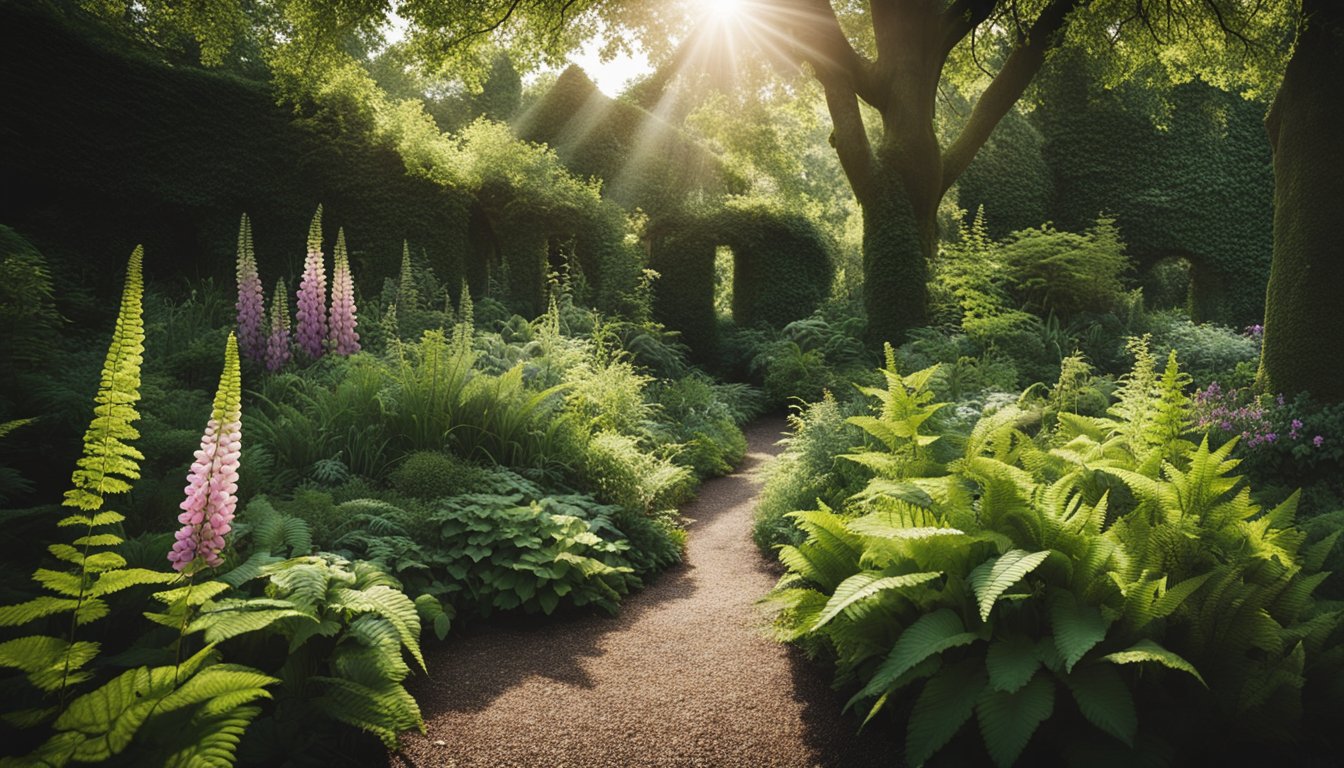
[682,676]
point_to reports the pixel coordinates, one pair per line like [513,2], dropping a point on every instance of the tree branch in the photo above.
[823,44]
[849,137]
[961,17]
[1006,88]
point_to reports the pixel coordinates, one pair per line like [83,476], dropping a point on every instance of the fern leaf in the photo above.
[943,707]
[1008,720]
[1147,650]
[228,619]
[37,608]
[864,585]
[1011,662]
[929,635]
[993,577]
[1078,627]
[1104,700]
[212,739]
[109,463]
[47,660]
[1169,601]
[392,605]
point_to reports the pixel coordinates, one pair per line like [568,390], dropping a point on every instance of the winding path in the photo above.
[683,676]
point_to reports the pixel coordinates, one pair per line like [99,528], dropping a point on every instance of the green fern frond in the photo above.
[994,576]
[864,585]
[943,707]
[1078,627]
[929,635]
[1104,700]
[48,662]
[1008,720]
[109,463]
[1149,651]
[1011,662]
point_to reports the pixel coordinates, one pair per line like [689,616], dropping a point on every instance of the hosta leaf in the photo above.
[866,584]
[1104,700]
[1007,720]
[1147,650]
[929,635]
[1011,662]
[1077,627]
[945,704]
[993,577]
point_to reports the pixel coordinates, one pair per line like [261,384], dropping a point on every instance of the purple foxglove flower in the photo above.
[311,332]
[212,482]
[344,337]
[251,304]
[277,344]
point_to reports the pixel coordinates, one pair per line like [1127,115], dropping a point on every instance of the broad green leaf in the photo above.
[930,635]
[1008,720]
[1104,699]
[1011,662]
[993,577]
[945,704]
[1077,627]
[1147,650]
[866,584]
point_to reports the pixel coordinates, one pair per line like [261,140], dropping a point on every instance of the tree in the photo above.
[900,178]
[1304,328]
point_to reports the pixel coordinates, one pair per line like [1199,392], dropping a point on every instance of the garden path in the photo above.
[684,675]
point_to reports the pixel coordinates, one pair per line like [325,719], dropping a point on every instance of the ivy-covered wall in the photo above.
[783,266]
[1198,183]
[103,150]
[1010,178]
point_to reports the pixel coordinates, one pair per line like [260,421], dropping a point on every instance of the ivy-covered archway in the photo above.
[782,268]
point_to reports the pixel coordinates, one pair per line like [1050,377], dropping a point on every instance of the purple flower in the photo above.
[277,344]
[212,482]
[312,295]
[250,304]
[1317,441]
[344,337]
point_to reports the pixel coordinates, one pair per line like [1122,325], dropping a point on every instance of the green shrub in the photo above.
[691,414]
[808,469]
[1208,352]
[1064,272]
[1023,573]
[619,470]
[429,475]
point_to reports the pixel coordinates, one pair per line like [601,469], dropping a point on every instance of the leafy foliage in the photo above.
[1026,571]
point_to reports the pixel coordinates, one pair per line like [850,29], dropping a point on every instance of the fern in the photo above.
[1008,720]
[993,577]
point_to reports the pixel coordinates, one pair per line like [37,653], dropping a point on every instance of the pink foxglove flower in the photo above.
[277,344]
[251,303]
[344,337]
[311,332]
[212,482]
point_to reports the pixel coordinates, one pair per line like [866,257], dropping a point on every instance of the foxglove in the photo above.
[212,482]
[344,337]
[250,305]
[277,344]
[311,332]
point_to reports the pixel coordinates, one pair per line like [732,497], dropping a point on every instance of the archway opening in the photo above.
[724,269]
[1167,283]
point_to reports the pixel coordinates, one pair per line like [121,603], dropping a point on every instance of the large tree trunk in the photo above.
[900,232]
[1304,327]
